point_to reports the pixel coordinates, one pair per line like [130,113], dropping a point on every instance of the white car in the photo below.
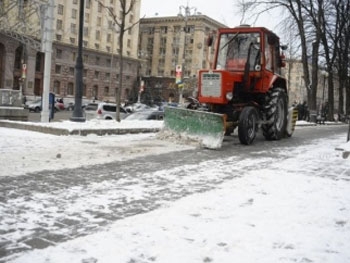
[103,111]
[35,105]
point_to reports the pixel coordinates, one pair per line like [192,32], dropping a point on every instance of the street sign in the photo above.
[24,71]
[178,74]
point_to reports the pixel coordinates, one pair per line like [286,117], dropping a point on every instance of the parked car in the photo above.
[137,107]
[59,106]
[104,111]
[35,106]
[146,115]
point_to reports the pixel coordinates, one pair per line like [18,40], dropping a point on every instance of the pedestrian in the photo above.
[325,109]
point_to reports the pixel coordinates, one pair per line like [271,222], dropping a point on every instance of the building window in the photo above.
[72,40]
[99,7]
[160,72]
[59,24]
[85,58]
[129,43]
[58,69]
[86,31]
[151,30]
[75,2]
[70,89]
[87,17]
[106,91]
[59,53]
[98,35]
[163,29]
[85,43]
[57,87]
[60,9]
[99,21]
[39,62]
[71,71]
[175,51]
[110,24]
[97,46]
[74,56]
[95,92]
[161,51]
[73,28]
[97,61]
[97,74]
[88,3]
[84,73]
[177,29]
[74,13]
[108,62]
[109,38]
[108,76]
[58,37]
[163,41]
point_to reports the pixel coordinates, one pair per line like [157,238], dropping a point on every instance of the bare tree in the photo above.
[120,20]
[323,29]
[297,14]
[342,49]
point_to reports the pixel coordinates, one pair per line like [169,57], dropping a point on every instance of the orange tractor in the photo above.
[243,88]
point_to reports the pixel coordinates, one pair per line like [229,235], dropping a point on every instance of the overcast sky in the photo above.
[223,11]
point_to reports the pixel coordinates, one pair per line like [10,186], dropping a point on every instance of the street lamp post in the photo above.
[78,112]
[187,13]
[47,48]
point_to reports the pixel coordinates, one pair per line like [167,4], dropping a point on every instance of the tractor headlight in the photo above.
[229,95]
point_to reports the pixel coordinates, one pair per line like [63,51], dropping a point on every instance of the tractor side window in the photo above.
[268,54]
[272,54]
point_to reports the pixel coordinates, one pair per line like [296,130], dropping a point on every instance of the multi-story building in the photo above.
[169,43]
[101,51]
[298,91]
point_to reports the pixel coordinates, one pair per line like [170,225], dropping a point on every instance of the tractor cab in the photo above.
[244,48]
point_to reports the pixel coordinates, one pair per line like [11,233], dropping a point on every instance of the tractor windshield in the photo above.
[236,49]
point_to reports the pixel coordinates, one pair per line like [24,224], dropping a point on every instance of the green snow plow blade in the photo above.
[205,127]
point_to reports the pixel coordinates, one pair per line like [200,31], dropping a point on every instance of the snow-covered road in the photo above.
[294,208]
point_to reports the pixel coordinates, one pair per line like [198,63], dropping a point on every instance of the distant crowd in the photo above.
[304,112]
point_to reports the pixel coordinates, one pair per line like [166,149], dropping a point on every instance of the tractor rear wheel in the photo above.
[276,110]
[248,125]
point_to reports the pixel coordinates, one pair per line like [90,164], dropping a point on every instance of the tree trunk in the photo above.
[312,92]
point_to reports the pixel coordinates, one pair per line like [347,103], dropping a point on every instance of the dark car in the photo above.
[146,115]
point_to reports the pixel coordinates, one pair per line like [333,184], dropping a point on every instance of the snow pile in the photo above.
[25,151]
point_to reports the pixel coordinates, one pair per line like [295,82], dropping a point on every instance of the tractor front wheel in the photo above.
[248,125]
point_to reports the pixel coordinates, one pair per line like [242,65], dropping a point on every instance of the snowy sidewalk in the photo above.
[285,212]
[293,208]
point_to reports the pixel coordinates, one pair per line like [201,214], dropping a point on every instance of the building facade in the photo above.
[167,43]
[22,62]
[297,91]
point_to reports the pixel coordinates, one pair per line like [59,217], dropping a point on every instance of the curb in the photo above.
[99,132]
[80,132]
